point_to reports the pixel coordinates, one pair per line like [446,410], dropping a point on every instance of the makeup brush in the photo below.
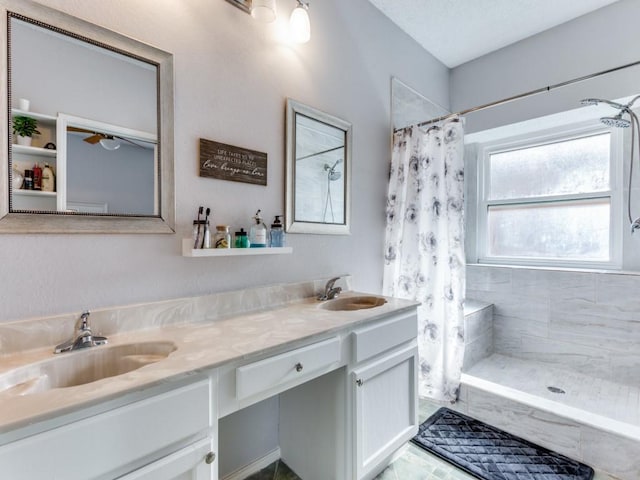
[195,243]
[206,219]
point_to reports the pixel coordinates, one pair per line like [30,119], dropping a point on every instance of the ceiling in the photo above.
[457,31]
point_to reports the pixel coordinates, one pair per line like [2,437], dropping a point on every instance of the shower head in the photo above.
[333,175]
[616,121]
[596,101]
[635,225]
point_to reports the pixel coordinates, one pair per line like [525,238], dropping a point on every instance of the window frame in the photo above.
[543,137]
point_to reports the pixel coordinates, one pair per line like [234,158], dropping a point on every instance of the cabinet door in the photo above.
[384,394]
[195,462]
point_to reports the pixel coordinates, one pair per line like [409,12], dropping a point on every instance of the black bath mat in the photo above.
[491,454]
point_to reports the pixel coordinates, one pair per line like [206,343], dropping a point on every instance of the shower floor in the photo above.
[602,404]
[594,421]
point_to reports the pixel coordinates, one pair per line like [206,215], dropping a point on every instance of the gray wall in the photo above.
[584,320]
[597,41]
[232,76]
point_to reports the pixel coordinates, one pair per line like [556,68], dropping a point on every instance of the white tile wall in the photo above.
[586,321]
[478,332]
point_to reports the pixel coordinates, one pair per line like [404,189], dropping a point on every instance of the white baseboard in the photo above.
[254,466]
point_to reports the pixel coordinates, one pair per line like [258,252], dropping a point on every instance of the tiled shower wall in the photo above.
[586,321]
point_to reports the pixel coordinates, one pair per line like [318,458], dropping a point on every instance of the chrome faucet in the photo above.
[330,292]
[83,337]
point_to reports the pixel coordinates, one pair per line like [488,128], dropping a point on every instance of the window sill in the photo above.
[554,268]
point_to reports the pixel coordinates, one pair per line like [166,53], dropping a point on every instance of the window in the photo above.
[551,200]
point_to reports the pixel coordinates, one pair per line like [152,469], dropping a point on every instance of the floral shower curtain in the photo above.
[424,248]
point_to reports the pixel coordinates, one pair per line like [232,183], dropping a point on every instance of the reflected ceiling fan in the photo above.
[107,141]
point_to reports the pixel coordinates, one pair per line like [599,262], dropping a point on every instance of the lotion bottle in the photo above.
[258,232]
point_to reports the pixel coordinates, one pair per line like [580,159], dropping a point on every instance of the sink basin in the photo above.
[354,303]
[81,367]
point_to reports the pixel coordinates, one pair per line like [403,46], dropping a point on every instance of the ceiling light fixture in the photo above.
[299,25]
[109,143]
[263,10]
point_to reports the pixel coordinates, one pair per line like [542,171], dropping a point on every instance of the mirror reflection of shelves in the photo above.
[24,157]
[189,251]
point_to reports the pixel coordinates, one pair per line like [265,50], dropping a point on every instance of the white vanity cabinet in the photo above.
[346,402]
[347,424]
[383,392]
[173,429]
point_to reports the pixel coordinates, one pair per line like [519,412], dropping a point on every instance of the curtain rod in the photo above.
[526,94]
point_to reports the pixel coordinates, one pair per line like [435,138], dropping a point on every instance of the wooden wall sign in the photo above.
[226,162]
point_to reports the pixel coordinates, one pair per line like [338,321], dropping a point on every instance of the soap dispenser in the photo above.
[258,232]
[276,235]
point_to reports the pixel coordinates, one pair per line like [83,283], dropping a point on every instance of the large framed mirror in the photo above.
[101,159]
[318,171]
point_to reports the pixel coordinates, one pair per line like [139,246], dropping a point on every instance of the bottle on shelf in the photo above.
[242,240]
[48,179]
[258,232]
[28,179]
[37,177]
[276,235]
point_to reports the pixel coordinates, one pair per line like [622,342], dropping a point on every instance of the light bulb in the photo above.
[263,10]
[299,25]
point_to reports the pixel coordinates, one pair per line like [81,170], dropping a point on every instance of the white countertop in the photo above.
[200,346]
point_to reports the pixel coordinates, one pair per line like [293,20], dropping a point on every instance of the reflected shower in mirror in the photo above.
[318,171]
[103,104]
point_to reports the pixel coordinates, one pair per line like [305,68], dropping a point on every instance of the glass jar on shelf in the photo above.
[223,238]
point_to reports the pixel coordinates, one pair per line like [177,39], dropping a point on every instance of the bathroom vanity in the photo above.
[346,381]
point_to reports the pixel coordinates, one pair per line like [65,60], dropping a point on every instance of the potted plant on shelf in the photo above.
[24,128]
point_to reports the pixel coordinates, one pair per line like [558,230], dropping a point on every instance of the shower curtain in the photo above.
[424,248]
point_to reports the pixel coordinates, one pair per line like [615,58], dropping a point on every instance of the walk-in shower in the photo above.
[619,121]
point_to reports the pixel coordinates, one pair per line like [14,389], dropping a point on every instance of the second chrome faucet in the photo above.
[83,338]
[330,292]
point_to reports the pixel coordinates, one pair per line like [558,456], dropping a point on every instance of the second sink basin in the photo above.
[354,303]
[81,367]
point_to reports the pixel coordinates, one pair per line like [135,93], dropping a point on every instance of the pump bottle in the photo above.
[258,232]
[276,235]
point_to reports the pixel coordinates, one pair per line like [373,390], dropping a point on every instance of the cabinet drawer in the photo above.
[382,336]
[110,443]
[294,366]
[188,463]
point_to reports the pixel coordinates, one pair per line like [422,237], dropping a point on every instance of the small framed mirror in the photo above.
[318,171]
[99,107]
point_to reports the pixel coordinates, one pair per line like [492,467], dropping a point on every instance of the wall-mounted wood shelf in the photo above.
[189,251]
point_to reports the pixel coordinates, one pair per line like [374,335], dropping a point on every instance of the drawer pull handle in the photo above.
[210,458]
[298,367]
[359,382]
